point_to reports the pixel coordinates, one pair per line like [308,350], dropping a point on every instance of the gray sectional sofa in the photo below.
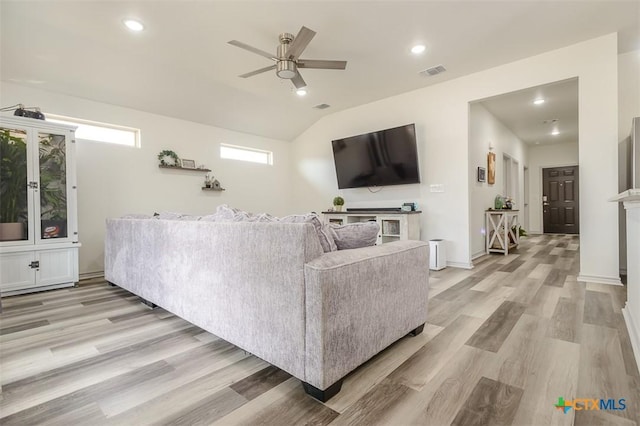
[269,289]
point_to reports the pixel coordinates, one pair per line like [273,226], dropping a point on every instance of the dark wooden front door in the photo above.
[560,205]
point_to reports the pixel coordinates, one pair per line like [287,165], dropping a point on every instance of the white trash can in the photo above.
[438,255]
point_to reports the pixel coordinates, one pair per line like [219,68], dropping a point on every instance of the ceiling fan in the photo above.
[287,59]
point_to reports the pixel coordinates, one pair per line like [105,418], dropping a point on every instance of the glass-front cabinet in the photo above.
[38,223]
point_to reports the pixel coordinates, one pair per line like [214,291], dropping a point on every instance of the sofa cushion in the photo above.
[323,231]
[355,235]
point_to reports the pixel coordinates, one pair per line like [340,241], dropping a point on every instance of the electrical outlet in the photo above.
[436,187]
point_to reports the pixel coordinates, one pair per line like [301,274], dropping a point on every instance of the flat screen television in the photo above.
[385,157]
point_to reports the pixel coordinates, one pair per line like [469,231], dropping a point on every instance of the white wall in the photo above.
[628,107]
[484,130]
[114,180]
[441,114]
[545,156]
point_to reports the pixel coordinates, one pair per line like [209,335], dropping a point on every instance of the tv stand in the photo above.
[395,224]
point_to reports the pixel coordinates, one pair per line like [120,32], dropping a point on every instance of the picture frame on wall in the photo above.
[482,174]
[188,164]
[491,168]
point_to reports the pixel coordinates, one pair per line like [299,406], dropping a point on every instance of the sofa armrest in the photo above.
[360,301]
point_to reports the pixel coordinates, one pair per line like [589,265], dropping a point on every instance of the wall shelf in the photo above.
[204,188]
[183,168]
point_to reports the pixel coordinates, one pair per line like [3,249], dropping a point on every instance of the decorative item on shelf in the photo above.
[409,207]
[482,174]
[23,111]
[169,158]
[338,202]
[508,203]
[491,167]
[498,202]
[216,184]
[207,181]
[187,164]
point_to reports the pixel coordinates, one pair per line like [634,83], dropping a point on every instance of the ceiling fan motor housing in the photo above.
[286,69]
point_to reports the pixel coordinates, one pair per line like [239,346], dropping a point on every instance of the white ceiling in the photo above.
[533,123]
[182,66]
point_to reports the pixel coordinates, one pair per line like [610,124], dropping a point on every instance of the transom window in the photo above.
[100,132]
[242,153]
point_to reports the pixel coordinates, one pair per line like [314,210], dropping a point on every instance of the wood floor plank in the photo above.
[556,278]
[598,309]
[490,403]
[21,327]
[182,395]
[432,357]
[553,373]
[258,383]
[566,322]
[602,367]
[286,404]
[497,327]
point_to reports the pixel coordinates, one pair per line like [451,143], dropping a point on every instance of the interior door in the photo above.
[560,207]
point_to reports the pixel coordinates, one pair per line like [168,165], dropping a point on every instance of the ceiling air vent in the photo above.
[433,70]
[322,106]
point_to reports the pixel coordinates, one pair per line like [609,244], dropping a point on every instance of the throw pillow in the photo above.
[355,235]
[322,231]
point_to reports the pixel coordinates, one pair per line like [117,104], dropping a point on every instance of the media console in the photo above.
[394,224]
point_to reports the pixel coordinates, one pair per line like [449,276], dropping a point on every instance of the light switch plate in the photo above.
[436,187]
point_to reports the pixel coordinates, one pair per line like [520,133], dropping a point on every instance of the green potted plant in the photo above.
[13,186]
[338,202]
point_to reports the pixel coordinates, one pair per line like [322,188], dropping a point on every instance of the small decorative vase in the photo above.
[498,203]
[338,208]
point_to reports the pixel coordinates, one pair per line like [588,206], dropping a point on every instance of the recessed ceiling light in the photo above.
[301,92]
[418,48]
[537,143]
[539,101]
[555,132]
[133,25]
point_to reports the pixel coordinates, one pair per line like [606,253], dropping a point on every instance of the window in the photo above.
[232,152]
[100,132]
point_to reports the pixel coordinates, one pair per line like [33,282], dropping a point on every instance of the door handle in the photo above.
[545,204]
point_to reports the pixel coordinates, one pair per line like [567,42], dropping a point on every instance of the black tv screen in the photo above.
[385,157]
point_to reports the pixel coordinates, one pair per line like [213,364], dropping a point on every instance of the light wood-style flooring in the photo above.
[503,342]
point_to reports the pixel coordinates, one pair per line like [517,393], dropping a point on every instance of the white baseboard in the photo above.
[633,327]
[462,265]
[91,275]
[477,255]
[599,279]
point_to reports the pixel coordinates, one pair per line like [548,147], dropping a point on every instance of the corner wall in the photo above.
[114,180]
[441,114]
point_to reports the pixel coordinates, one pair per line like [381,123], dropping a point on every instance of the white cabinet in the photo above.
[394,226]
[38,206]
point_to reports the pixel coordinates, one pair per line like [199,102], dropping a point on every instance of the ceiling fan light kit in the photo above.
[287,59]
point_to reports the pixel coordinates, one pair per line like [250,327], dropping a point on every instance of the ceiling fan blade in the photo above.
[318,63]
[298,81]
[255,50]
[300,42]
[256,72]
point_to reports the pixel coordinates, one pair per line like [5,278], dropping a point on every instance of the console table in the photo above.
[503,231]
[394,226]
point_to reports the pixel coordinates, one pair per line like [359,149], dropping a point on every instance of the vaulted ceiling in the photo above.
[182,66]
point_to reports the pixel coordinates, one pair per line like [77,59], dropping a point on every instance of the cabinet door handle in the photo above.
[34,264]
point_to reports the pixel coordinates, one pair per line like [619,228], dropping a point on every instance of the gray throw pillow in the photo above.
[322,231]
[355,235]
